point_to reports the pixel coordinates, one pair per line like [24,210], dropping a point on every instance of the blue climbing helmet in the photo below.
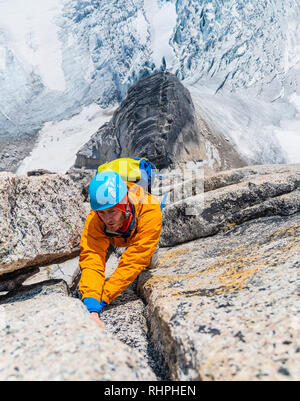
[106,189]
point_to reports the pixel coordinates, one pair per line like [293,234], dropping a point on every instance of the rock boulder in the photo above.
[229,199]
[224,302]
[226,307]
[222,305]
[47,335]
[41,220]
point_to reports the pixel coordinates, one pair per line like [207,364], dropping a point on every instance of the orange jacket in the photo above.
[141,244]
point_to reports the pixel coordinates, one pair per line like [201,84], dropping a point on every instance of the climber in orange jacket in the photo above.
[122,215]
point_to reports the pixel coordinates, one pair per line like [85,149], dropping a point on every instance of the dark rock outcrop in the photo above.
[157,120]
[12,152]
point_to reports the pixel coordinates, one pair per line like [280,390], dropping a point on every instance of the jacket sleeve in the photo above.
[138,254]
[93,247]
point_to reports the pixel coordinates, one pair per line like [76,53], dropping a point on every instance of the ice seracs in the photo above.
[58,57]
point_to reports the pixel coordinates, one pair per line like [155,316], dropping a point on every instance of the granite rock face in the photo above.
[222,305]
[228,199]
[157,120]
[82,178]
[224,302]
[47,335]
[41,220]
[227,307]
[68,271]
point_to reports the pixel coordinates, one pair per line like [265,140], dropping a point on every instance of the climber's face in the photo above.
[113,218]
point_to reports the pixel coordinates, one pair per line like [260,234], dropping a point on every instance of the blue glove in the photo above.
[102,305]
[93,305]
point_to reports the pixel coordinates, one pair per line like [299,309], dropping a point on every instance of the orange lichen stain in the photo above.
[228,226]
[170,259]
[238,266]
[286,232]
[168,278]
[233,270]
[173,254]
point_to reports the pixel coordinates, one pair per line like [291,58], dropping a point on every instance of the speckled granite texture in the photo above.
[223,304]
[47,335]
[227,307]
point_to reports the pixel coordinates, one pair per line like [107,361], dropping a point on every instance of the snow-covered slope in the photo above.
[239,58]
[243,67]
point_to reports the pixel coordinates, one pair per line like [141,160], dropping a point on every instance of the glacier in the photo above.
[240,59]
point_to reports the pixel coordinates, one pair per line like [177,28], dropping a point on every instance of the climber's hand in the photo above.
[97,320]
